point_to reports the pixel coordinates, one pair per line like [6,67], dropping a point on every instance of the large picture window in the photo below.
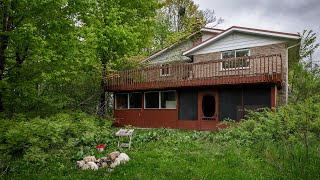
[168,99]
[235,63]
[135,100]
[151,100]
[160,100]
[122,101]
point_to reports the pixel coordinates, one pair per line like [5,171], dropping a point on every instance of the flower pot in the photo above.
[101,147]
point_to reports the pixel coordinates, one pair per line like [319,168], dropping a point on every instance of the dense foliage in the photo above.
[65,133]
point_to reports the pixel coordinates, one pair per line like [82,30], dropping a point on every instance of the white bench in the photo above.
[124,133]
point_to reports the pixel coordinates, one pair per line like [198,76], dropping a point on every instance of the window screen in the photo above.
[168,99]
[121,101]
[152,100]
[188,104]
[135,100]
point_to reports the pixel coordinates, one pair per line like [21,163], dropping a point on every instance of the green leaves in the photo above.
[35,138]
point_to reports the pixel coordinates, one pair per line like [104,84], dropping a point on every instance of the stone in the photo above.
[113,156]
[89,159]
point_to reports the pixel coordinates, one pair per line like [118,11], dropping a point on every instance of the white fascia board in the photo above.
[267,33]
[211,30]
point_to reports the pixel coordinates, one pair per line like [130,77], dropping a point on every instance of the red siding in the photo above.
[149,118]
[157,118]
[161,118]
[128,117]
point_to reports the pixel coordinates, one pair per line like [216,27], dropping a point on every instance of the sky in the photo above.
[290,16]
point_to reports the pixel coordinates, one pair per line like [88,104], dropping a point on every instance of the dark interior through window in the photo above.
[208,106]
[152,99]
[121,101]
[135,100]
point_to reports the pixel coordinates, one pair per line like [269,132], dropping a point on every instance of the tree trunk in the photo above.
[102,104]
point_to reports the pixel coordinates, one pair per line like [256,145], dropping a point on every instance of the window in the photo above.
[121,101]
[168,100]
[236,63]
[135,100]
[151,100]
[160,100]
[165,70]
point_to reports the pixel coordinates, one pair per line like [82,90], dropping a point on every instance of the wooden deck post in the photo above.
[274,93]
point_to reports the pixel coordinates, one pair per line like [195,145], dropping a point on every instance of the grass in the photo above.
[163,154]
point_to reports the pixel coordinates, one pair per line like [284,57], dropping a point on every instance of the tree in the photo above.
[304,80]
[308,47]
[178,18]
[120,28]
[41,52]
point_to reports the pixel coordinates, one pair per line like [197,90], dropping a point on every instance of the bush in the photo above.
[288,139]
[34,138]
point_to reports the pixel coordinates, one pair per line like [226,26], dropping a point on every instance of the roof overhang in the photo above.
[210,30]
[244,30]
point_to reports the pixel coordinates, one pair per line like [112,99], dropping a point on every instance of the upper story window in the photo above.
[238,63]
[165,70]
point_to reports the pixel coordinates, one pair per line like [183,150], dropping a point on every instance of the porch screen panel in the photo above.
[188,104]
[229,100]
[256,97]
[235,101]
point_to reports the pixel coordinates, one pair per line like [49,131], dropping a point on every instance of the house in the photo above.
[205,78]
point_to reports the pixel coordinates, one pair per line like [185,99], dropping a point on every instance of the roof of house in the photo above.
[245,30]
[157,53]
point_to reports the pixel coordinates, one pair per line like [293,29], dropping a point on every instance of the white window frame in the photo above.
[175,97]
[116,106]
[169,70]
[129,99]
[235,54]
[159,96]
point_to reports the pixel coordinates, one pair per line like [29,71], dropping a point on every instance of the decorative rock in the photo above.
[80,163]
[122,158]
[112,160]
[104,165]
[104,159]
[89,159]
[93,166]
[97,161]
[112,156]
[85,167]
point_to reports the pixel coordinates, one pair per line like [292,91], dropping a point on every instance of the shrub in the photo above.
[288,139]
[35,138]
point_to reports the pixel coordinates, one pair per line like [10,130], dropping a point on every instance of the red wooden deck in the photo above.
[258,69]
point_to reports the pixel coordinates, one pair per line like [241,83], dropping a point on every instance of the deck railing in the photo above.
[250,69]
